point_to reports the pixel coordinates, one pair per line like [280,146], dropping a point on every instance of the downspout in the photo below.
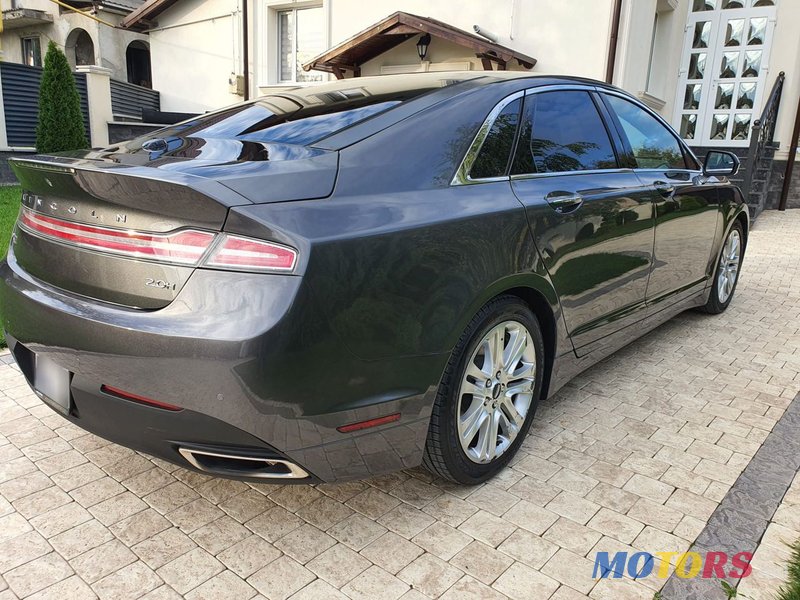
[245,50]
[612,42]
[787,177]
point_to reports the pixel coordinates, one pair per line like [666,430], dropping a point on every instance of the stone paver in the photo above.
[635,454]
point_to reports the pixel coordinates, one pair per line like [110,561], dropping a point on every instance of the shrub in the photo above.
[60,120]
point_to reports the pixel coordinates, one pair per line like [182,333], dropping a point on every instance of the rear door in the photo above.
[686,205]
[591,219]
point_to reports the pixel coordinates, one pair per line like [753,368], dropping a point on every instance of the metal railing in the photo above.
[763,133]
[128,100]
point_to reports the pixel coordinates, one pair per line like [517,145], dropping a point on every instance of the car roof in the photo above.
[399,83]
[443,86]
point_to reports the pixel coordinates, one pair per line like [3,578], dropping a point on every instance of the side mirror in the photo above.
[720,164]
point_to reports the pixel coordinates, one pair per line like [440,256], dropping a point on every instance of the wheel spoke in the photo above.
[472,421]
[527,370]
[491,435]
[474,372]
[514,350]
[486,445]
[495,351]
[512,413]
[475,389]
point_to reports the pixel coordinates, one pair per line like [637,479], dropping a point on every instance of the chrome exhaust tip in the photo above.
[239,465]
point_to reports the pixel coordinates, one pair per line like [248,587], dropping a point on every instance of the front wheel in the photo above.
[727,274]
[488,394]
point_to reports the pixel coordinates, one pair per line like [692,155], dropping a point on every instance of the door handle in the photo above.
[664,188]
[564,202]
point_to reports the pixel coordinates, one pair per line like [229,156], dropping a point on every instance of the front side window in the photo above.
[32,51]
[562,131]
[492,159]
[653,145]
[300,38]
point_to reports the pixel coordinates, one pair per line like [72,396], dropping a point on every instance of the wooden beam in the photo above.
[402,29]
[337,71]
[487,64]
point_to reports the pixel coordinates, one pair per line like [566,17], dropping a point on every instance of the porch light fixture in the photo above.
[422,45]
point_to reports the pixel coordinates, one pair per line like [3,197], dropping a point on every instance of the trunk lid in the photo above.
[131,191]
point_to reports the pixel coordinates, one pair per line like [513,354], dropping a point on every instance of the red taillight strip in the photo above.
[107,389]
[184,247]
[235,252]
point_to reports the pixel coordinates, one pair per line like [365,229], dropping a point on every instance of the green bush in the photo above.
[60,120]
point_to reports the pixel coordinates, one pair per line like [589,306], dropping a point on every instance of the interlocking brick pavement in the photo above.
[635,454]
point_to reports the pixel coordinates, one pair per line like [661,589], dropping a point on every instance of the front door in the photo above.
[592,221]
[686,207]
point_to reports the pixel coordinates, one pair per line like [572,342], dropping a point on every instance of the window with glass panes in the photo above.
[723,70]
[301,37]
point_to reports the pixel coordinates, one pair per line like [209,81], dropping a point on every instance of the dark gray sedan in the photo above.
[338,281]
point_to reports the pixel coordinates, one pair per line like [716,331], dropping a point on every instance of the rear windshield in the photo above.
[291,119]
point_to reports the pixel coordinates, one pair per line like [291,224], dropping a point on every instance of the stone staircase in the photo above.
[757,197]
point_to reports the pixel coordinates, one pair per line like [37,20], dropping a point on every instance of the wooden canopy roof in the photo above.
[397,28]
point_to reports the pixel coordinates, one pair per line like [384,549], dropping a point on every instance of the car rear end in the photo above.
[144,302]
[129,311]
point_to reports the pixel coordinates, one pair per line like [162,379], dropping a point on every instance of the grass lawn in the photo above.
[791,590]
[9,208]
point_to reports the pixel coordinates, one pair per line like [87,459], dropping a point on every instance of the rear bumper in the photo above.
[249,358]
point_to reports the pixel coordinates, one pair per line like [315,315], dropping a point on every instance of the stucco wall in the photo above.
[565,36]
[194,50]
[109,44]
[192,61]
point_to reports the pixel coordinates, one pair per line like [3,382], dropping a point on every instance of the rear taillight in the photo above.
[184,247]
[189,247]
[234,252]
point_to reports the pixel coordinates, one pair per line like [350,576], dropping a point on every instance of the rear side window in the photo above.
[492,160]
[653,145]
[300,117]
[562,131]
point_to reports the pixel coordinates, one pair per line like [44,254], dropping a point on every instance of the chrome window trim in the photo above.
[524,176]
[462,174]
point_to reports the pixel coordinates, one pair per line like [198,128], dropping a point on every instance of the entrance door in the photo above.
[723,70]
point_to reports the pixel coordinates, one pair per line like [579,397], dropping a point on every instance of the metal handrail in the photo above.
[763,132]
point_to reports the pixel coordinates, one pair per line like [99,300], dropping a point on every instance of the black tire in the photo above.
[715,305]
[444,455]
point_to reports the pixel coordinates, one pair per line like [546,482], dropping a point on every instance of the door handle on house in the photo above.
[664,188]
[564,202]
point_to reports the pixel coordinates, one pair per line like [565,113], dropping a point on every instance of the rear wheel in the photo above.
[727,274]
[488,395]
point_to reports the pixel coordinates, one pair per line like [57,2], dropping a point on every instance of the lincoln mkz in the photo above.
[339,281]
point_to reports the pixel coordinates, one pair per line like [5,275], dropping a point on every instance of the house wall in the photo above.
[565,36]
[109,44]
[195,49]
[633,59]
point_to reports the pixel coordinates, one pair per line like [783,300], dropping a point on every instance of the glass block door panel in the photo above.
[723,70]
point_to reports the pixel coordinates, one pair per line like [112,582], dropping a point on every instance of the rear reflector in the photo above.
[234,252]
[107,389]
[184,247]
[370,423]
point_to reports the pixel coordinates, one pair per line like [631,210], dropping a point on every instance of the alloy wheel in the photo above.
[496,391]
[729,266]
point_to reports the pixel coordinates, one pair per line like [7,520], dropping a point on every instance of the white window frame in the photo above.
[715,52]
[268,40]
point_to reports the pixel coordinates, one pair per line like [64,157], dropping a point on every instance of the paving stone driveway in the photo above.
[635,454]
